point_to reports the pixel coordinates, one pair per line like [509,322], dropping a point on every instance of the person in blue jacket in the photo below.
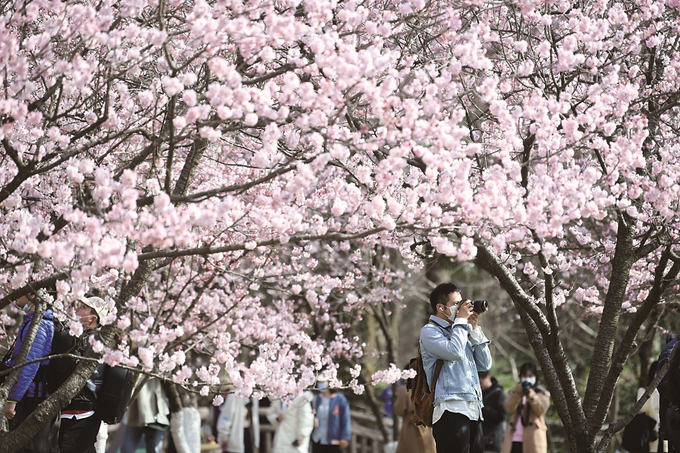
[332,423]
[453,336]
[30,388]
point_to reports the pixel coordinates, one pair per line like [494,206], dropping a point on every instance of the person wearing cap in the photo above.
[79,422]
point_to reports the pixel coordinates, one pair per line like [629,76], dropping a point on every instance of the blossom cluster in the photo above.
[242,163]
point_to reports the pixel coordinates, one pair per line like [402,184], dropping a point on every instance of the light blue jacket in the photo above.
[463,358]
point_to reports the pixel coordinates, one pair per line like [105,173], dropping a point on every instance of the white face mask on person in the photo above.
[85,320]
[531,380]
[453,311]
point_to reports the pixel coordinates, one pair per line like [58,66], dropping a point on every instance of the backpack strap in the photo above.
[437,370]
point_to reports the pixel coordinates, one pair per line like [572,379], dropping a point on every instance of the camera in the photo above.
[526,386]
[480,306]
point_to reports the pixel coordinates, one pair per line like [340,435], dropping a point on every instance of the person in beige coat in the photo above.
[413,438]
[527,402]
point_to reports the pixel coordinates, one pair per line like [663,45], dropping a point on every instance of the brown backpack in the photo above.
[421,396]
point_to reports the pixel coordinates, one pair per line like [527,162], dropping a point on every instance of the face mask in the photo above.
[453,311]
[84,319]
[26,308]
[531,380]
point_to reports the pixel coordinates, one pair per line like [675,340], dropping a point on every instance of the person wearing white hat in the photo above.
[91,311]
[79,422]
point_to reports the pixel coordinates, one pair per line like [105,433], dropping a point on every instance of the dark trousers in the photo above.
[517,447]
[455,433]
[78,436]
[664,436]
[320,448]
[247,441]
[153,439]
[46,439]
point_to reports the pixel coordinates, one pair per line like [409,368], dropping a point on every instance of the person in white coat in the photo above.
[294,423]
[238,426]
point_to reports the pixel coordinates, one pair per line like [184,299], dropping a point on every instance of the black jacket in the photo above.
[494,416]
[86,399]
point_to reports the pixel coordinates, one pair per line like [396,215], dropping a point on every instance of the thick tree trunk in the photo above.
[622,262]
[549,352]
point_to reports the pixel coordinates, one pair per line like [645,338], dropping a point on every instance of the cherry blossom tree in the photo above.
[218,169]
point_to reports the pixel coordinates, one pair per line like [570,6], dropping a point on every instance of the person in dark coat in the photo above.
[80,424]
[493,411]
[664,397]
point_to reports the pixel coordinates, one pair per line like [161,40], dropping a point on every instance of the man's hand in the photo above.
[472,320]
[343,444]
[9,410]
[465,310]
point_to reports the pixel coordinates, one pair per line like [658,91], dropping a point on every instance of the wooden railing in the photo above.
[365,439]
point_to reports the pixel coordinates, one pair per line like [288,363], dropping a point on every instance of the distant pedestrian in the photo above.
[673,392]
[30,388]
[238,426]
[527,402]
[147,418]
[293,422]
[641,434]
[664,396]
[413,438]
[332,421]
[80,425]
[493,411]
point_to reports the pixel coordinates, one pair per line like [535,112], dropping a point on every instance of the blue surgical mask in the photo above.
[26,308]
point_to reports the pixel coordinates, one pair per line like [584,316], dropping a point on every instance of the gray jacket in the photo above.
[151,406]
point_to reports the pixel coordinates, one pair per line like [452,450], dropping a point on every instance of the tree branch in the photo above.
[232,248]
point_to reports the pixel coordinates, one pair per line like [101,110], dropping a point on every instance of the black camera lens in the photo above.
[480,306]
[526,386]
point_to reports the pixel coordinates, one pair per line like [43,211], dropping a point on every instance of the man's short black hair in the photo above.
[440,295]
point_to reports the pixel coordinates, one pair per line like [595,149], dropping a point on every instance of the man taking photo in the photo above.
[452,335]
